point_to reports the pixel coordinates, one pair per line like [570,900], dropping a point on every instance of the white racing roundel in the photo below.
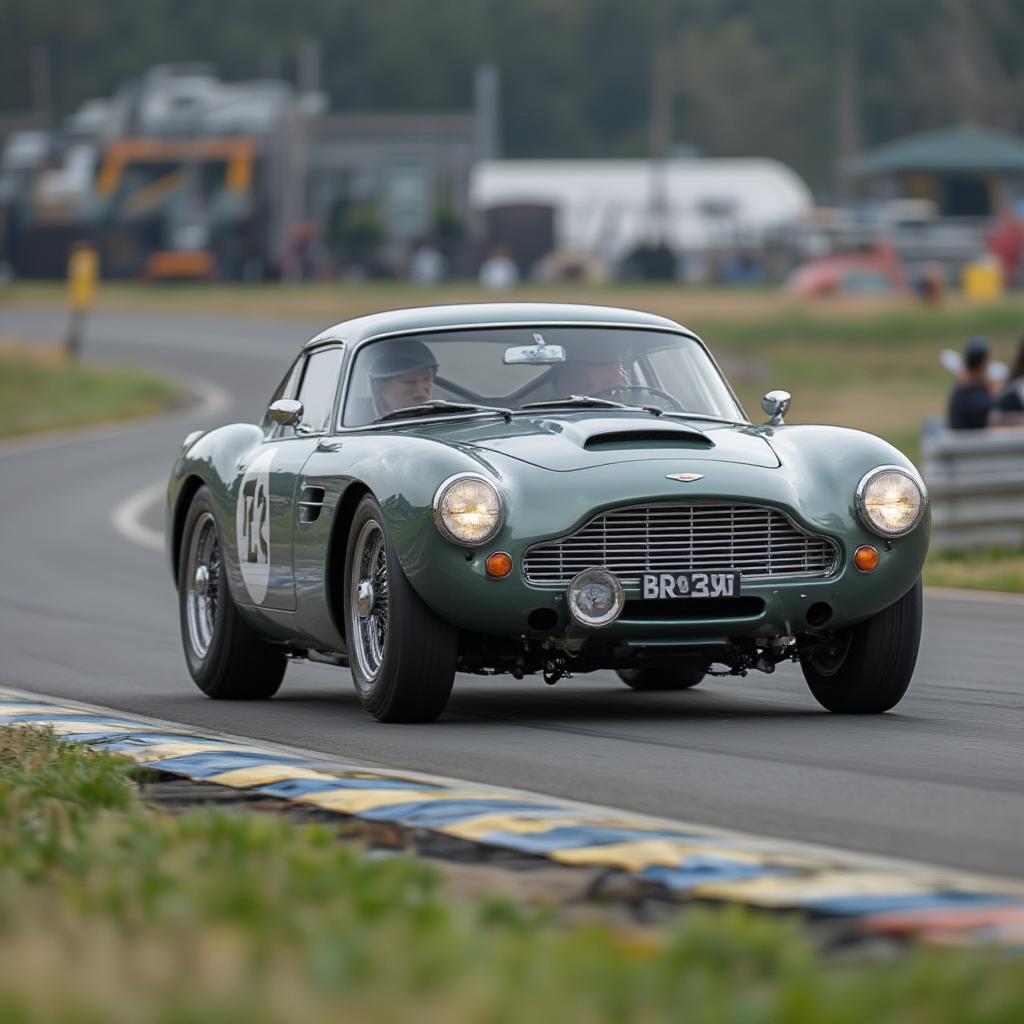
[252,526]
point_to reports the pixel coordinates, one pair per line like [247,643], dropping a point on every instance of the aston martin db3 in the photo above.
[539,488]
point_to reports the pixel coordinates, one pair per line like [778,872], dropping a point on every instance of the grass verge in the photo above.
[993,569]
[110,910]
[43,391]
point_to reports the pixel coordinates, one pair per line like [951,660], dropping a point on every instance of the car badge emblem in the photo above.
[684,478]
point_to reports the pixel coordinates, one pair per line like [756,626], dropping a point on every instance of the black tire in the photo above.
[226,657]
[402,655]
[875,664]
[681,677]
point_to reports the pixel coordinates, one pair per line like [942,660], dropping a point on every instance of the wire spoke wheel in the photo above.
[369,601]
[203,583]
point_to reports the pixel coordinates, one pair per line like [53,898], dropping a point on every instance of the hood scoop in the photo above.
[673,439]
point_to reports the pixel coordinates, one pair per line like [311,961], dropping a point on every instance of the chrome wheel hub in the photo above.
[202,601]
[201,583]
[368,600]
[364,598]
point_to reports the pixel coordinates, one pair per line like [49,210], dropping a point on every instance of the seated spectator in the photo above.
[971,398]
[1008,410]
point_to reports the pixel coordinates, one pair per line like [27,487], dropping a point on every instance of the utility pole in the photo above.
[41,80]
[662,96]
[848,135]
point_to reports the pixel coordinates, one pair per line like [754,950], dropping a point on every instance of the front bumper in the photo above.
[463,594]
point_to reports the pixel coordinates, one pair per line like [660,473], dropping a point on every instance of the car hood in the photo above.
[583,440]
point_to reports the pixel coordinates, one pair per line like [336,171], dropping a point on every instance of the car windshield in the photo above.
[523,366]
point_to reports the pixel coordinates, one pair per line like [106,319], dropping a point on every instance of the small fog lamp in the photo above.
[866,558]
[890,501]
[595,598]
[499,564]
[468,509]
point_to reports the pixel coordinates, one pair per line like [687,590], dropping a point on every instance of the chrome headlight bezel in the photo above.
[442,526]
[861,497]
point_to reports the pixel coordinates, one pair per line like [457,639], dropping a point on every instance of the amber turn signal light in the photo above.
[866,558]
[499,564]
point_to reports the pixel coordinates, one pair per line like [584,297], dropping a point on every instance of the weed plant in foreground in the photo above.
[110,910]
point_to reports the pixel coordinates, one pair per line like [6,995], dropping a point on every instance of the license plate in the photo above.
[657,585]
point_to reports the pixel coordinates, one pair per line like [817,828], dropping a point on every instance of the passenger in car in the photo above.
[589,376]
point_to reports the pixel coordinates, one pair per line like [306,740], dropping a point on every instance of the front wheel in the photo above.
[680,677]
[226,657]
[869,668]
[402,656]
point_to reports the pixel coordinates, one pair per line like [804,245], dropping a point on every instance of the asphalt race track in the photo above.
[86,613]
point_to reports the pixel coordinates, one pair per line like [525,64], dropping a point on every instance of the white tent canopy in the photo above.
[611,206]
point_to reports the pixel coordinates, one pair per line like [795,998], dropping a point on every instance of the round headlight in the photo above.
[468,510]
[890,501]
[595,598]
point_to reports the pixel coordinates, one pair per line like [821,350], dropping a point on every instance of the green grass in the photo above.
[47,393]
[110,910]
[993,569]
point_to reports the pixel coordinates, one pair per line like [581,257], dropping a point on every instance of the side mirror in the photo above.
[286,411]
[191,439]
[776,404]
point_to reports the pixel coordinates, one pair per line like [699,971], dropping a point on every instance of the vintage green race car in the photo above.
[545,488]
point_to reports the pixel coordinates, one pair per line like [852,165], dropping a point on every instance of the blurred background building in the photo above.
[181,175]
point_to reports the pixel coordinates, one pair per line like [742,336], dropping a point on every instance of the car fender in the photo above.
[213,459]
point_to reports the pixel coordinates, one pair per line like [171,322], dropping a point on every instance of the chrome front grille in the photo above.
[756,540]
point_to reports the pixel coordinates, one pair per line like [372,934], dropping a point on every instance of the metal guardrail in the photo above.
[975,482]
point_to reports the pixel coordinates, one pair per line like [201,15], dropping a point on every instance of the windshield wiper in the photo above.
[588,401]
[441,406]
[705,416]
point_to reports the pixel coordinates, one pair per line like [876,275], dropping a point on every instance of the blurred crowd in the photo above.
[986,393]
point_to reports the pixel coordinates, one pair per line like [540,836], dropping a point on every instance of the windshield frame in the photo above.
[355,348]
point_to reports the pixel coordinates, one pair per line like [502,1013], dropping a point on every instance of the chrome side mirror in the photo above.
[286,411]
[191,439]
[776,404]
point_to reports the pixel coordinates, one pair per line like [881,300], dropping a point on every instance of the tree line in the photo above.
[805,81]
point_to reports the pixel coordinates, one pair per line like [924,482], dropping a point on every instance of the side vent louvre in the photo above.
[311,504]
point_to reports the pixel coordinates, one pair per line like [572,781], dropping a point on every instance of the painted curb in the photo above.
[688,861]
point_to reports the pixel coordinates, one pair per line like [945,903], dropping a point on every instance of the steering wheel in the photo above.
[622,389]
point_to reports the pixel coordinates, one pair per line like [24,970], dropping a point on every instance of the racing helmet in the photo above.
[405,355]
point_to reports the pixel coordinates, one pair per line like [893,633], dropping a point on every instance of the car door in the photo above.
[267,507]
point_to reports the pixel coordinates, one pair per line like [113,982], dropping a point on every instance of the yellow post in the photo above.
[982,280]
[83,274]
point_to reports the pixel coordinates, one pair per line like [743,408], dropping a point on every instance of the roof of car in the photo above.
[428,318]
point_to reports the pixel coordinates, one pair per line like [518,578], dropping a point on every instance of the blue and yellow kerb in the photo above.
[689,861]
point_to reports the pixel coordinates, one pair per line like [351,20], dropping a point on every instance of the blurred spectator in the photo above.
[971,398]
[498,272]
[300,251]
[428,265]
[930,283]
[1008,410]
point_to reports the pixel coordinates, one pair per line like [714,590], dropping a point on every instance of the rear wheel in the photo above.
[402,656]
[679,677]
[869,668]
[226,657]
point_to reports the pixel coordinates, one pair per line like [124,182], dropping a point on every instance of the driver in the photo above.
[401,374]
